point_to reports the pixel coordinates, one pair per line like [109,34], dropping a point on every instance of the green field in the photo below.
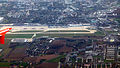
[97,56]
[56,59]
[111,32]
[99,33]
[71,35]
[7,64]
[108,61]
[4,64]
[60,35]
[20,46]
[18,35]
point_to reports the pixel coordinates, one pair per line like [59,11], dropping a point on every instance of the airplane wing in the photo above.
[2,34]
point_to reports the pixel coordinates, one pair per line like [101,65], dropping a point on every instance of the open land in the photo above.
[28,31]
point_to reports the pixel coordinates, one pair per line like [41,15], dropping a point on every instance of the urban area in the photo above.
[60,33]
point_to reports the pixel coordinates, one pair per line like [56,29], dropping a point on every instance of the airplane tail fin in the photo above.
[2,34]
[2,39]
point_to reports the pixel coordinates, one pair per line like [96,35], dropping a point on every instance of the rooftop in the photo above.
[1,18]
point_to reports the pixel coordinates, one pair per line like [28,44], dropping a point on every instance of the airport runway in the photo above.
[53,32]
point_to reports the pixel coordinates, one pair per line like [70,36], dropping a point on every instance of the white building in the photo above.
[21,40]
[68,1]
[1,19]
[110,52]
